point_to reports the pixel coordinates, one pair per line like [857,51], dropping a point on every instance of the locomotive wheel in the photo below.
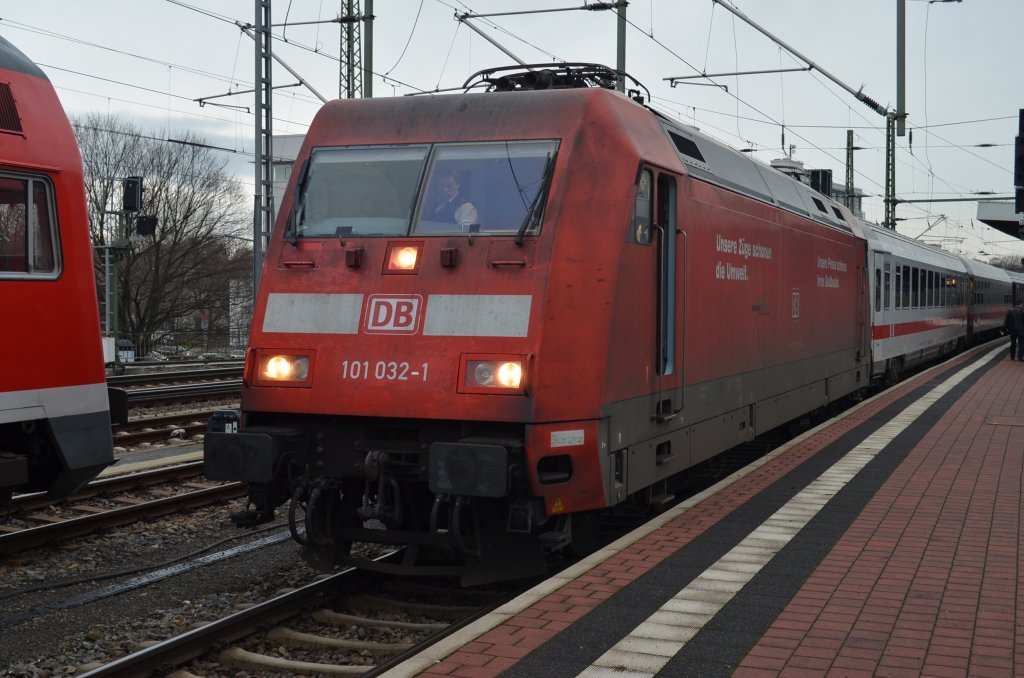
[325,513]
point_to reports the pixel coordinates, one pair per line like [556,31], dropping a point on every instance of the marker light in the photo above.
[284,368]
[403,258]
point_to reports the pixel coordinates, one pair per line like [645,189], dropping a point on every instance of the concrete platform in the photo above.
[885,542]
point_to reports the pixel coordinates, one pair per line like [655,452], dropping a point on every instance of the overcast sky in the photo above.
[148,60]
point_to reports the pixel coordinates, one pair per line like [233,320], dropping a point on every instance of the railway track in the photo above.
[161,428]
[137,431]
[351,623]
[106,503]
[175,393]
[358,623]
[173,377]
[151,388]
[114,484]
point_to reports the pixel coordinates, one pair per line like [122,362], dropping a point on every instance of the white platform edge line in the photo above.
[454,642]
[835,478]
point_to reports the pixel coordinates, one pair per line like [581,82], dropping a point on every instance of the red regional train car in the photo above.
[54,413]
[486,318]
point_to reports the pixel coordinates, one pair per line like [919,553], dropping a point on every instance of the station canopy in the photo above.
[1000,216]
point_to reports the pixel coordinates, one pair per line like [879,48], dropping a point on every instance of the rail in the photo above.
[14,539]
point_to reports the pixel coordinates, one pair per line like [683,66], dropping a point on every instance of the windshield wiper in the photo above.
[538,200]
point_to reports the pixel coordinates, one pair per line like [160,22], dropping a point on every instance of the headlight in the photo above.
[493,375]
[287,368]
[403,257]
[510,374]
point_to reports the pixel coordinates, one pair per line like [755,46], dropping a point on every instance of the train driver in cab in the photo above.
[454,207]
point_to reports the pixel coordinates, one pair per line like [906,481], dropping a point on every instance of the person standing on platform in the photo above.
[1014,326]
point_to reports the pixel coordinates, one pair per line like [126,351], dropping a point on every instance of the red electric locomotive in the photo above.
[486,318]
[54,413]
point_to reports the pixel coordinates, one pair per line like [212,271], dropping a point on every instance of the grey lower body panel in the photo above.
[721,414]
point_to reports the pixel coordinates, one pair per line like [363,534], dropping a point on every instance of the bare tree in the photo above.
[1010,262]
[182,271]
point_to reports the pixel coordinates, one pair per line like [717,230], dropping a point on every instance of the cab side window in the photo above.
[640,231]
[27,229]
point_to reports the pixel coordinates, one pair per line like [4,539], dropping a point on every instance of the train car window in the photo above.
[502,188]
[41,230]
[27,227]
[929,286]
[360,191]
[878,289]
[888,287]
[640,230]
[906,286]
[899,287]
[820,205]
[922,283]
[915,289]
[13,226]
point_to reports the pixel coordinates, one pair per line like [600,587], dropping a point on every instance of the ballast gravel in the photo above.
[57,642]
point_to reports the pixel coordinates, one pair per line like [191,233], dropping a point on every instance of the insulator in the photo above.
[871,103]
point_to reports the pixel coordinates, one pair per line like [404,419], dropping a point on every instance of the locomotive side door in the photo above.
[669,364]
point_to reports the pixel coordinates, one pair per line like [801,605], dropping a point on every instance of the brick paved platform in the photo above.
[885,542]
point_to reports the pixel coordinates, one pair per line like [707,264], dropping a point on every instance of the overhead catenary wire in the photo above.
[291,43]
[739,100]
[79,41]
[798,131]
[815,146]
[408,41]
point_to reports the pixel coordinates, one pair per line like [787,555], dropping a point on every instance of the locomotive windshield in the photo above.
[364,191]
[443,189]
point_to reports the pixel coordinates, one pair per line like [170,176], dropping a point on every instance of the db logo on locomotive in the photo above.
[392,313]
